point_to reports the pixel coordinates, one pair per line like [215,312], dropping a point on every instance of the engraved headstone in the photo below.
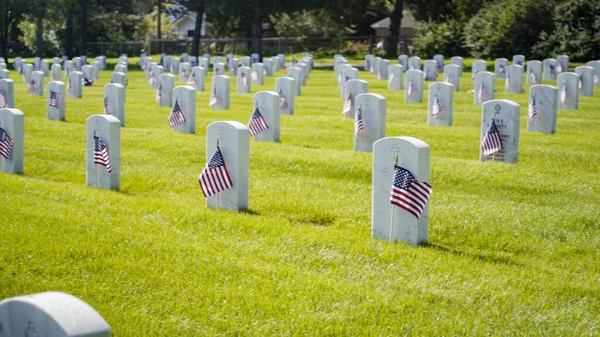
[519,60]
[4,74]
[120,78]
[403,60]
[50,314]
[485,87]
[304,68]
[478,67]
[568,91]
[268,67]
[500,67]
[367,63]
[56,72]
[56,100]
[534,72]
[77,63]
[7,93]
[267,103]
[166,84]
[542,109]
[114,101]
[87,72]
[441,103]
[369,121]
[286,88]
[382,72]
[156,72]
[430,70]
[228,59]
[439,59]
[414,62]
[514,79]
[596,76]
[395,77]
[255,58]
[257,73]
[353,89]
[184,100]
[390,222]
[452,75]
[204,63]
[184,57]
[500,120]
[459,61]
[219,68]
[103,143]
[297,74]
[69,67]
[347,74]
[121,68]
[233,66]
[246,61]
[220,93]
[95,69]
[184,71]
[340,75]
[12,135]
[74,84]
[196,79]
[27,71]
[218,59]
[562,64]
[36,87]
[45,67]
[275,63]
[281,60]
[36,64]
[549,69]
[244,84]
[586,80]
[413,93]
[207,57]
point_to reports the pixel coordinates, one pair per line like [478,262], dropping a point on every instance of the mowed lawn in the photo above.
[514,250]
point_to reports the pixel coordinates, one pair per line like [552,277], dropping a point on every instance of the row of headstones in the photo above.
[77,64]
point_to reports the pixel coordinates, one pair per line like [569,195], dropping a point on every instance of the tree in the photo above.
[395,21]
[11,12]
[83,27]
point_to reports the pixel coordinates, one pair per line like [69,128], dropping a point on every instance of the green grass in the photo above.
[513,249]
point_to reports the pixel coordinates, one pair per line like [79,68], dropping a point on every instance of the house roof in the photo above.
[182,19]
[408,21]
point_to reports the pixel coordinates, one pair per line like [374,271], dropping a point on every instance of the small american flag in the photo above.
[101,154]
[3,100]
[596,79]
[176,117]
[32,87]
[563,93]
[473,76]
[214,178]
[391,79]
[217,71]
[192,80]
[69,86]
[372,68]
[408,193]
[491,140]
[346,79]
[532,75]
[580,82]
[183,73]
[6,144]
[159,94]
[558,69]
[254,76]
[87,82]
[448,79]
[501,69]
[107,109]
[410,89]
[213,97]
[436,108]
[552,69]
[53,99]
[151,79]
[508,81]
[243,79]
[481,93]
[532,108]
[347,104]
[257,123]
[359,124]
[379,76]
[283,104]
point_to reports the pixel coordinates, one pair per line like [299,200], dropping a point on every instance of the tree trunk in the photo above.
[198,28]
[4,11]
[159,14]
[69,35]
[395,20]
[83,28]
[257,33]
[39,35]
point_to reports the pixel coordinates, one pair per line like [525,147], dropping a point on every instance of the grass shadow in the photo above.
[478,257]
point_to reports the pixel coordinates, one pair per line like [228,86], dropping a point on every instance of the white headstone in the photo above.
[348,73]
[369,121]
[382,72]
[375,68]
[304,68]
[286,88]
[500,67]
[4,74]
[120,78]
[586,80]
[7,89]
[562,64]
[505,114]
[257,73]
[275,63]
[166,83]
[459,61]
[430,70]
[485,87]
[27,71]
[107,173]
[207,57]
[233,66]
[452,75]
[38,78]
[542,109]
[218,59]
[74,85]
[121,68]
[268,67]
[114,94]
[353,89]
[56,72]
[246,61]
[95,69]
[184,71]
[156,72]
[69,67]
[403,60]
[534,72]
[439,59]
[45,67]
[297,74]
[36,64]
[197,78]
[204,63]
[233,141]
[441,104]
[219,68]
[568,91]
[390,222]
[220,92]
[519,60]
[87,72]
[244,84]
[514,79]
[340,76]
[50,314]
[267,103]
[395,77]
[185,98]
[368,61]
[414,62]
[255,58]
[56,100]
[549,69]
[174,68]
[281,60]
[479,66]
[413,92]
[12,121]
[596,66]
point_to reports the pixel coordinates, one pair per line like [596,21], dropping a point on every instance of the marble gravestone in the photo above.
[56,101]
[439,59]
[55,74]
[184,71]
[120,78]
[500,67]
[4,74]
[340,75]
[542,110]
[276,67]
[27,71]
[403,60]
[233,141]
[69,67]
[303,67]
[257,73]
[505,114]
[441,104]
[74,85]
[430,70]
[478,67]
[207,57]
[395,77]
[267,102]
[197,78]
[549,66]
[233,67]
[77,63]
[174,69]
[87,72]
[95,70]
[413,93]
[218,68]
[518,60]
[586,80]
[12,121]
[246,61]
[38,78]
[596,77]
[452,75]
[218,59]
[204,63]
[371,110]
[375,67]
[562,64]
[244,84]
[351,91]
[220,93]
[348,73]
[107,129]
[514,79]
[459,61]
[534,72]
[281,60]
[414,62]
[50,314]
[286,88]
[268,67]
[166,82]
[296,74]
[114,94]
[255,58]
[485,87]
[382,72]
[157,72]
[36,63]
[185,98]
[45,67]
[7,88]
[367,63]
[390,222]
[568,91]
